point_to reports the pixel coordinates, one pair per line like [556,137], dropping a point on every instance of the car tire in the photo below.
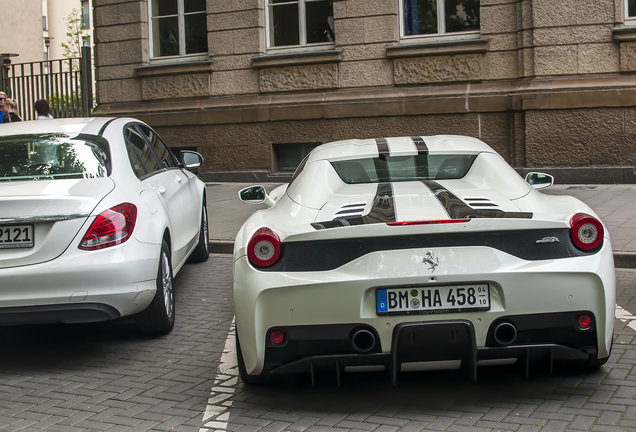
[202,251]
[158,317]
[251,380]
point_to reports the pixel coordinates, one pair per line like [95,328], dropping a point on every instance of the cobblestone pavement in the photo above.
[109,377]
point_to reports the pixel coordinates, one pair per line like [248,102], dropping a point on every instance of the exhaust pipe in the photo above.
[505,333]
[363,340]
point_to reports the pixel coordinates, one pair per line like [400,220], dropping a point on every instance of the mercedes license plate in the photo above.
[438,299]
[16,236]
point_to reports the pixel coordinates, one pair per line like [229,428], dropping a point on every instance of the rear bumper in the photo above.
[267,300]
[428,346]
[81,286]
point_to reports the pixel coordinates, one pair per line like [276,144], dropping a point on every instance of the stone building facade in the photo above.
[550,85]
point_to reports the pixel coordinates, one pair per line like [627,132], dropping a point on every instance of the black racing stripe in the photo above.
[322,255]
[458,209]
[421,146]
[382,211]
[383,146]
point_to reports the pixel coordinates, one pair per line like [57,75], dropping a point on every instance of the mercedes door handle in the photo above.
[162,190]
[178,178]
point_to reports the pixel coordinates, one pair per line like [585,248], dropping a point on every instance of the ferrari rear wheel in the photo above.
[158,317]
[252,380]
[202,250]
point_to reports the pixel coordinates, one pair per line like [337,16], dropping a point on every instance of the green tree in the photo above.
[74,34]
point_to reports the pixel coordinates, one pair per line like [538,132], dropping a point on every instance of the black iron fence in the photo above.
[67,84]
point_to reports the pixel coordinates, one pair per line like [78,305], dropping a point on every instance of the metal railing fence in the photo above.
[67,84]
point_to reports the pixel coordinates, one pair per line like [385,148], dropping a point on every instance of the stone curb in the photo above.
[622,259]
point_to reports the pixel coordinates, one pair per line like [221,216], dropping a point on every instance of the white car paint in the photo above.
[55,273]
[267,300]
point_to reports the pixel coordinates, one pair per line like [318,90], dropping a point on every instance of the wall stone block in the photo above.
[499,18]
[501,65]
[503,42]
[176,86]
[628,56]
[556,60]
[235,20]
[595,12]
[130,90]
[121,32]
[551,13]
[364,8]
[349,31]
[364,52]
[380,29]
[311,77]
[235,82]
[464,67]
[572,35]
[599,58]
[106,16]
[132,12]
[216,6]
[366,73]
[133,52]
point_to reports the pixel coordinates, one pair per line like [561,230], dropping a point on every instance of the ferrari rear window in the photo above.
[403,168]
[53,156]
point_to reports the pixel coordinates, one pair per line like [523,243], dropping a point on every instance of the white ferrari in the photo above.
[96,217]
[418,253]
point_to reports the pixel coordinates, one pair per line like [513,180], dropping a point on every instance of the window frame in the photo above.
[302,29]
[85,14]
[182,56]
[441,34]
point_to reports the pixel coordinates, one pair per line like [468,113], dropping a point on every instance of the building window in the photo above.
[178,27]
[630,11]
[300,22]
[288,156]
[439,17]
[86,14]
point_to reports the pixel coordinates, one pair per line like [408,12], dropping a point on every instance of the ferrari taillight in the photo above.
[586,232]
[111,227]
[263,248]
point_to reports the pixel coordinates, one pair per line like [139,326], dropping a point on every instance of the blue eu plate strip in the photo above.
[383,305]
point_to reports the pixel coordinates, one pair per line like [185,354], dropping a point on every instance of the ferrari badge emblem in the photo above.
[431,260]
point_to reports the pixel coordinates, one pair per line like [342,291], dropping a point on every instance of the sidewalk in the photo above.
[615,204]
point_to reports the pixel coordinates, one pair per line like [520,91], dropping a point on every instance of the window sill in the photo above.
[174,69]
[298,58]
[437,48]
[624,34]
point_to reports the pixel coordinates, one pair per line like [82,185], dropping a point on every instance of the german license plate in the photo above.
[437,299]
[16,236]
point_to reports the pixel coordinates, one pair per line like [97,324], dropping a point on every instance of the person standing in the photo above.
[3,108]
[43,109]
[12,110]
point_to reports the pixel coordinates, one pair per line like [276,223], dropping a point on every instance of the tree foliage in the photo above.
[74,34]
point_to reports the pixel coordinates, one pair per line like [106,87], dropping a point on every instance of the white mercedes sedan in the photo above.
[414,254]
[96,217]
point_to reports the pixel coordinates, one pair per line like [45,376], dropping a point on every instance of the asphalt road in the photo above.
[109,377]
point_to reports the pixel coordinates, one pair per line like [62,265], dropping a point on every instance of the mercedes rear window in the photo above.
[403,168]
[53,156]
